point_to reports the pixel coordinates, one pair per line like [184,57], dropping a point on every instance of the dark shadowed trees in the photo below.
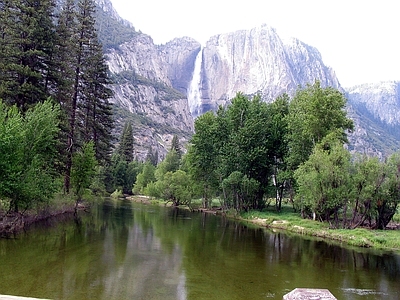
[27,38]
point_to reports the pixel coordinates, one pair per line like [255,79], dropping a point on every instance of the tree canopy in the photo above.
[28,154]
[47,56]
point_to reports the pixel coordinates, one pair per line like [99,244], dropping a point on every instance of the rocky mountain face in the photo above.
[168,84]
[180,55]
[258,61]
[144,90]
[162,88]
[375,109]
[381,99]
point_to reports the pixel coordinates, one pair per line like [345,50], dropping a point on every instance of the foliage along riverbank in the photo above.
[388,240]
[287,220]
[13,223]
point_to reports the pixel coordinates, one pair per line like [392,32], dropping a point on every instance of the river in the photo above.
[124,250]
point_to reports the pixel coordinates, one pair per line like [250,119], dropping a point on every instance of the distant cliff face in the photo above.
[257,61]
[375,109]
[162,87]
[142,87]
[180,55]
[382,100]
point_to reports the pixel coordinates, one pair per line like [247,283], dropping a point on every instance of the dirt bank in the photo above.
[12,223]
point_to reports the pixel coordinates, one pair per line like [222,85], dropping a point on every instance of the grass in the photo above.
[290,221]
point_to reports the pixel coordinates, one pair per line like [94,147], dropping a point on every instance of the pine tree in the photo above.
[63,72]
[27,40]
[65,55]
[125,149]
[89,110]
[175,146]
[152,157]
[96,109]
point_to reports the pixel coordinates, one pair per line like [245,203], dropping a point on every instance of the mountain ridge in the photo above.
[152,82]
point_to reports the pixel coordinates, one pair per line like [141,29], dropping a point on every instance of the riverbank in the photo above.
[289,221]
[12,223]
[388,240]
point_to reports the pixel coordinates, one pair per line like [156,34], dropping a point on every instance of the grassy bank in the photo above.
[290,221]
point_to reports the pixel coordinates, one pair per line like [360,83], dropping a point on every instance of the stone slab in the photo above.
[9,297]
[309,294]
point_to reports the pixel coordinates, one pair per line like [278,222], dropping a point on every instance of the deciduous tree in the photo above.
[28,152]
[83,170]
[324,181]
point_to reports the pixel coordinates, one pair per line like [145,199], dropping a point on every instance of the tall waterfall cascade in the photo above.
[194,94]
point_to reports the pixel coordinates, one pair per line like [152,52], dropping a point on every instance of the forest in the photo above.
[55,101]
[294,149]
[56,135]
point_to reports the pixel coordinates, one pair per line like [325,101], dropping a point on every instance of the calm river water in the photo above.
[124,250]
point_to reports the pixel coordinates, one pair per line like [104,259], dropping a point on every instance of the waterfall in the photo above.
[194,94]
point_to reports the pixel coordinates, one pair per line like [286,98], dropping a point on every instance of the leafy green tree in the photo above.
[376,191]
[134,168]
[314,112]
[98,185]
[279,149]
[171,163]
[239,191]
[177,187]
[202,155]
[144,178]
[247,138]
[249,147]
[28,152]
[11,154]
[324,181]
[367,179]
[83,169]
[388,204]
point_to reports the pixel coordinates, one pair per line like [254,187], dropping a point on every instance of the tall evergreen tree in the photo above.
[152,156]
[96,109]
[65,55]
[63,71]
[176,146]
[89,110]
[27,41]
[85,29]
[125,149]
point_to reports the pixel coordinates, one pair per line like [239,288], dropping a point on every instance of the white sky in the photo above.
[359,39]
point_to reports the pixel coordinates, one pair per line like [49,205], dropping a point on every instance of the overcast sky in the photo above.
[360,40]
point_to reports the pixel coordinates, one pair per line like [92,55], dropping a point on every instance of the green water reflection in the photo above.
[124,250]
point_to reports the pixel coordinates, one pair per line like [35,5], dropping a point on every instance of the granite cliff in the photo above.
[381,99]
[258,61]
[162,88]
[375,109]
[144,94]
